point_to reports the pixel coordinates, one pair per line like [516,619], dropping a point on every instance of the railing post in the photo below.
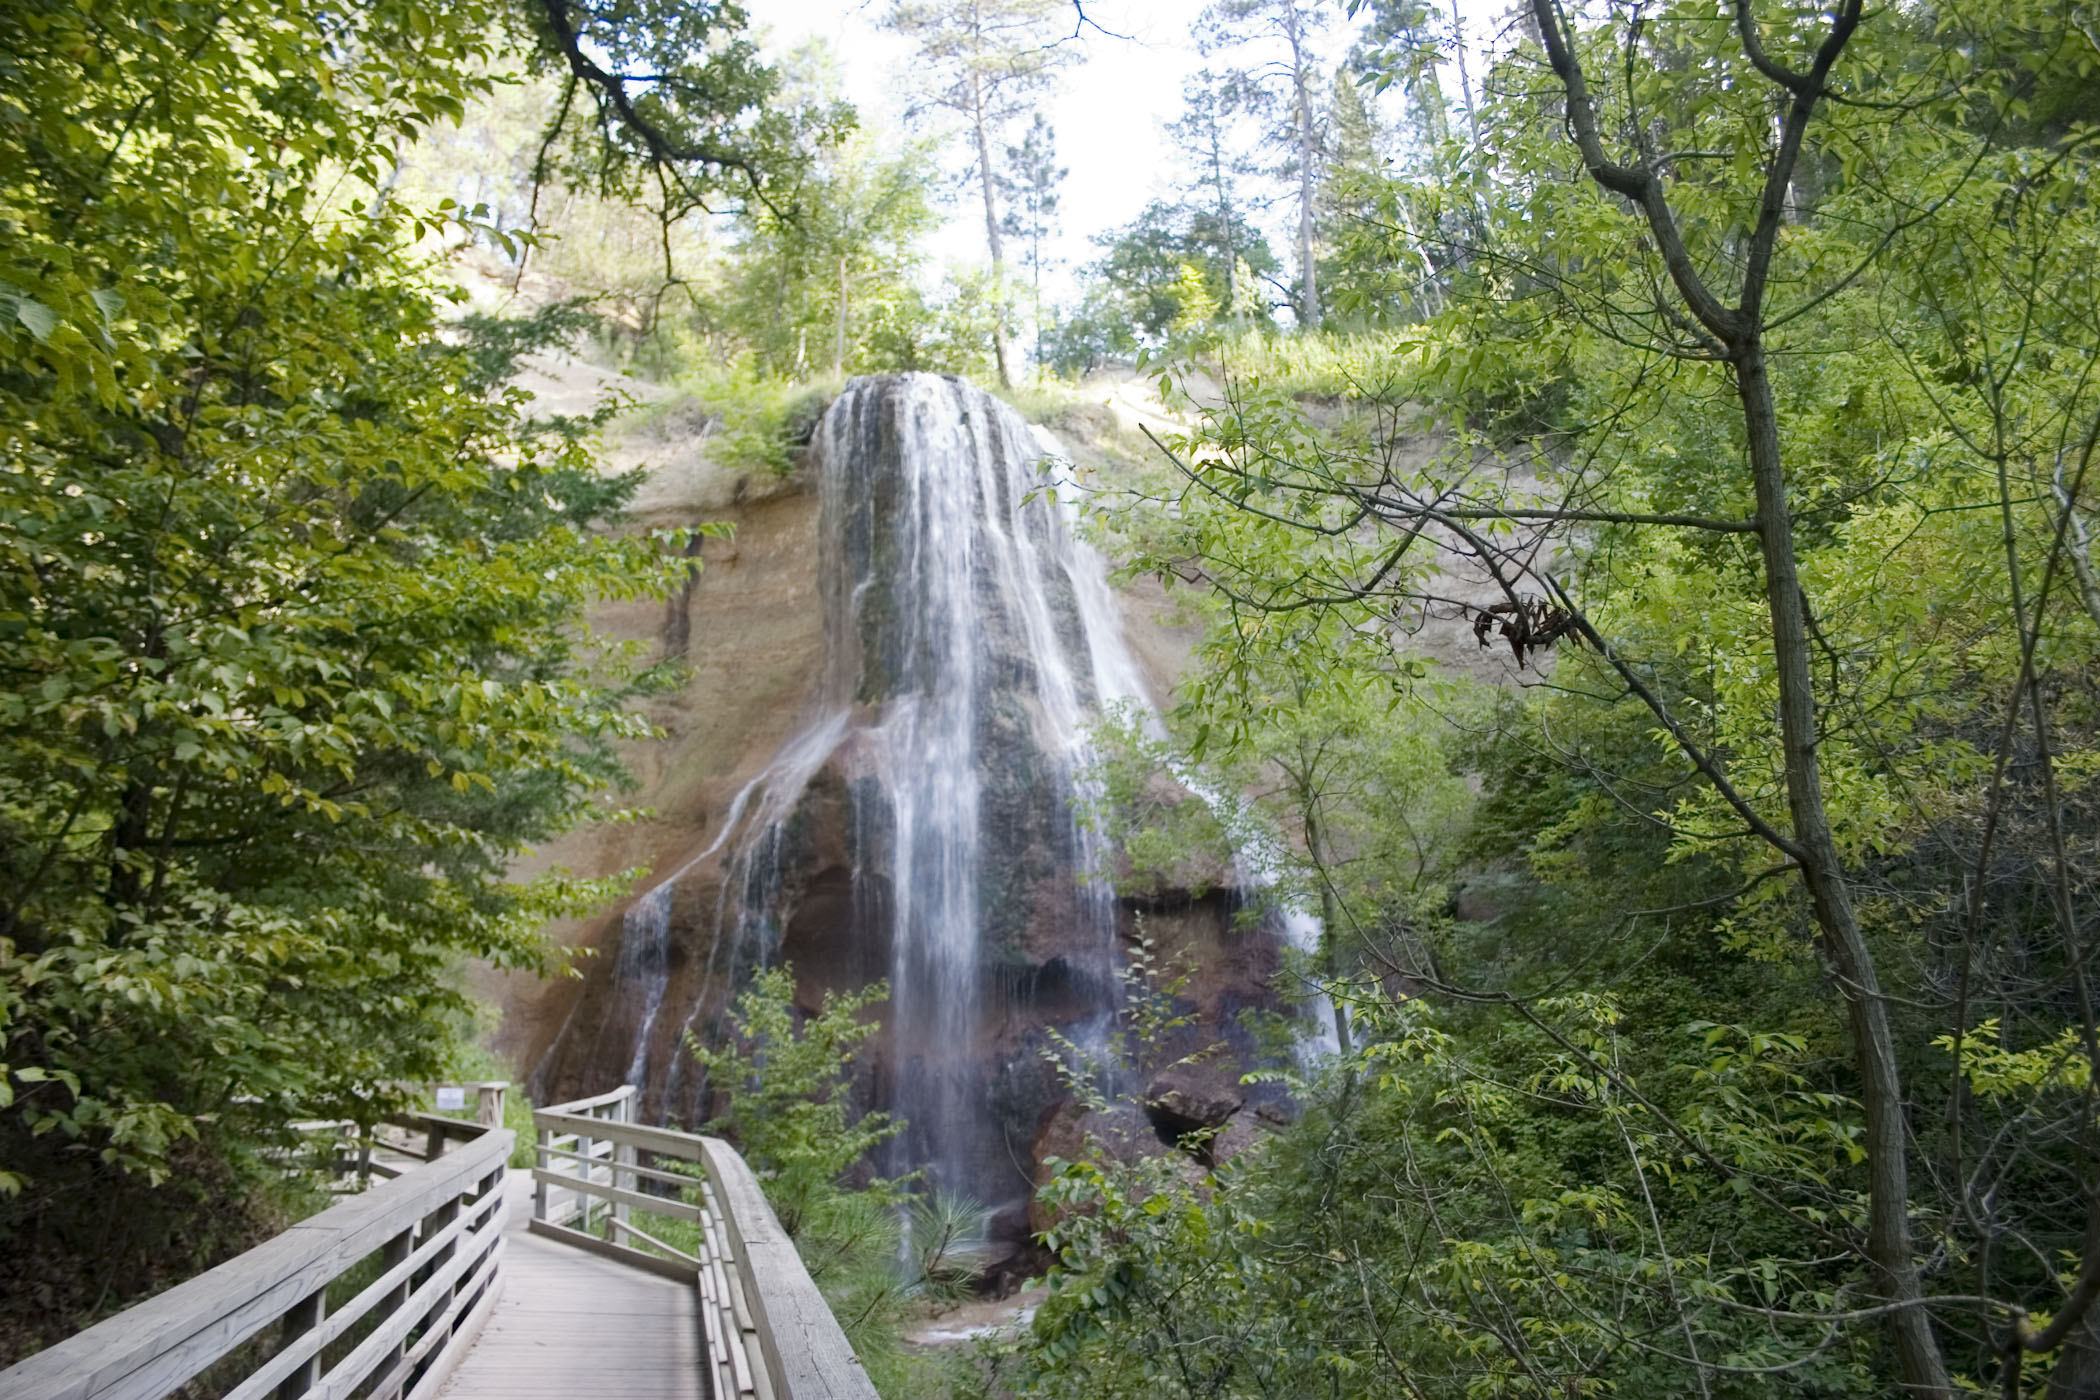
[254,1324]
[488,1104]
[623,1155]
[585,1171]
[396,1251]
[544,1157]
[305,1315]
[432,1223]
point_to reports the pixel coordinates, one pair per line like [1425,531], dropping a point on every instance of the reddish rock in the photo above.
[1071,1132]
[1236,1137]
[1188,1098]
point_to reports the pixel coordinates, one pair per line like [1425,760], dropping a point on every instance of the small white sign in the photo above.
[451,1097]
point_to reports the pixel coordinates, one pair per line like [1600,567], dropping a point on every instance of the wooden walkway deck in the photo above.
[570,1324]
[470,1281]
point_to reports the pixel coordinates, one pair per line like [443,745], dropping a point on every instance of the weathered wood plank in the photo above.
[659,1205]
[667,1268]
[573,1324]
[665,1142]
[623,1227]
[146,1351]
[679,1179]
[806,1353]
[449,1359]
[581,1107]
[451,1287]
[264,1380]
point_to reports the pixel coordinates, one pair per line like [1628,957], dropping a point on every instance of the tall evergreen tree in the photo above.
[1278,41]
[1207,136]
[1029,186]
[982,62]
[1359,205]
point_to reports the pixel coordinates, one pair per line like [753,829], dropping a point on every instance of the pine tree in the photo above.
[981,61]
[1029,186]
[1281,85]
[1212,106]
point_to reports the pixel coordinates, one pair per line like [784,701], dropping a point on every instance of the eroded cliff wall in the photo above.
[752,626]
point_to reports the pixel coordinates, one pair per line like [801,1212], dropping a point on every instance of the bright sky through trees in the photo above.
[1108,111]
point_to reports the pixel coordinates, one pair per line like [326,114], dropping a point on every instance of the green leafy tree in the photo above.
[785,1078]
[1361,205]
[1754,435]
[824,270]
[1140,274]
[1207,137]
[665,106]
[1278,84]
[787,1081]
[290,600]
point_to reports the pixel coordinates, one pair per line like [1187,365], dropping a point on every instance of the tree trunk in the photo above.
[1465,79]
[1885,1136]
[1301,88]
[1231,250]
[1738,331]
[2079,546]
[1330,949]
[991,223]
[838,341]
[2076,1375]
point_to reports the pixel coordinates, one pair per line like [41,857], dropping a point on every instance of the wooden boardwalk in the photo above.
[570,1324]
[470,1280]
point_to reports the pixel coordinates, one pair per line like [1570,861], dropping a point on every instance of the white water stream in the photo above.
[971,640]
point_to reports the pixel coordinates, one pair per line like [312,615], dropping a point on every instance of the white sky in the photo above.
[1107,112]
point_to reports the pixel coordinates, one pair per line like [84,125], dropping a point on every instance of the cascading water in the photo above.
[921,822]
[970,640]
[951,583]
[645,958]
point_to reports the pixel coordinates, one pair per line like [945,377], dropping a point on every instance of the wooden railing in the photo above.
[769,1332]
[342,1151]
[422,1253]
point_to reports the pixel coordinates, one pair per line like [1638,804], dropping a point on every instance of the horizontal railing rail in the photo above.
[769,1332]
[430,1243]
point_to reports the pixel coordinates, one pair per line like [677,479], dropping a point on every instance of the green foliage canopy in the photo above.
[1676,1118]
[290,586]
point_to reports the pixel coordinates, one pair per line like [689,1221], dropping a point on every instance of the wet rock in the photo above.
[1071,1132]
[1190,1098]
[1233,1139]
[834,605]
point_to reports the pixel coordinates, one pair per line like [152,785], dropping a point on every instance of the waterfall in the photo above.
[921,823]
[953,591]
[645,958]
[970,640]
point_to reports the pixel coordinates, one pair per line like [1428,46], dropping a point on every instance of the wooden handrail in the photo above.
[770,1334]
[437,1232]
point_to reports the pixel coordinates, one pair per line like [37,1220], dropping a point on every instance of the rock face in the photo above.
[1190,1098]
[912,815]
